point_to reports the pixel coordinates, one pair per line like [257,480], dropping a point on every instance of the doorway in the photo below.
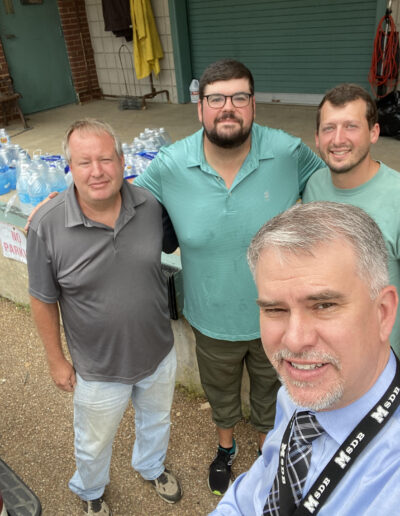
[34,46]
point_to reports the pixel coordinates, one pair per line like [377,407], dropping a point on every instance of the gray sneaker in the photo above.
[167,486]
[96,507]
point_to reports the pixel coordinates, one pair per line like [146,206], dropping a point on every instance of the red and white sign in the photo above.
[13,243]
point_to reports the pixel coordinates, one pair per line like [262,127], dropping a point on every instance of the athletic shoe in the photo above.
[96,507]
[167,486]
[220,476]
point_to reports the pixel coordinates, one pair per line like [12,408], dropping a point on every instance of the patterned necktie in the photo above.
[305,429]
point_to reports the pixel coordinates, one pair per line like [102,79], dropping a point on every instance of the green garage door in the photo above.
[291,46]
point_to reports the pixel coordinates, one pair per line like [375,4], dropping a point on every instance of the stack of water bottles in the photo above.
[33,178]
[5,178]
[142,150]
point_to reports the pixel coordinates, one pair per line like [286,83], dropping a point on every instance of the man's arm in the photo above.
[308,163]
[151,177]
[151,180]
[47,319]
[170,240]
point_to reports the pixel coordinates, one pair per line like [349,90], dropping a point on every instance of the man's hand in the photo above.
[35,209]
[63,375]
[47,319]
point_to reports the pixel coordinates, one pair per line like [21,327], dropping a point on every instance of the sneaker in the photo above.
[98,507]
[220,475]
[167,486]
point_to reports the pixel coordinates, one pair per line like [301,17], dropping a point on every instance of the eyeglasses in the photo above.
[218,101]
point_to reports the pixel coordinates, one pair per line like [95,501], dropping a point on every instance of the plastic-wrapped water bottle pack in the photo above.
[142,150]
[32,178]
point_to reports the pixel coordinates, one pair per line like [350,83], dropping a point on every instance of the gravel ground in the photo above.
[36,436]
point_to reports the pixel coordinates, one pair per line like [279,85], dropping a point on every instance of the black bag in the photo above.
[389,114]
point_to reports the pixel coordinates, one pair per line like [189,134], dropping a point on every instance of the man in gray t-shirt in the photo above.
[95,252]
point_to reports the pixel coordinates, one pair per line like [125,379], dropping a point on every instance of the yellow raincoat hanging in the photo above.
[147,48]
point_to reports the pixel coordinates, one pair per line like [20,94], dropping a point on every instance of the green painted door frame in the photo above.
[36,55]
[181,48]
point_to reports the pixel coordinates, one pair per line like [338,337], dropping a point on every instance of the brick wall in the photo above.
[5,86]
[3,63]
[79,49]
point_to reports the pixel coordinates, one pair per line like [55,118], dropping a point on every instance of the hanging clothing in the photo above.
[117,18]
[147,50]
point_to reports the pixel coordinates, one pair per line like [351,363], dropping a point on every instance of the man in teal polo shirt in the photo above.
[219,186]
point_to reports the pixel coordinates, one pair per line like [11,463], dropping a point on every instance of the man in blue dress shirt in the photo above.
[326,313]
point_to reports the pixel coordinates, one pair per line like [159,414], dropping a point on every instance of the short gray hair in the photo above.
[304,226]
[90,125]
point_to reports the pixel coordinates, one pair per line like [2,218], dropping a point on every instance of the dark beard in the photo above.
[351,166]
[228,141]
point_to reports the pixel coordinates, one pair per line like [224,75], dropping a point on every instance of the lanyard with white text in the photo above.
[343,458]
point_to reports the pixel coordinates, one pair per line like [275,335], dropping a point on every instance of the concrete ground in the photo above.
[36,436]
[47,127]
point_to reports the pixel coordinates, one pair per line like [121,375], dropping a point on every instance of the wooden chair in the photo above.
[9,100]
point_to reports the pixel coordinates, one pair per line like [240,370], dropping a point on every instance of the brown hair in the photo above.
[345,93]
[224,70]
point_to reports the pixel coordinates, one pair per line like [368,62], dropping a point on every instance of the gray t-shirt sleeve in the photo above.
[43,284]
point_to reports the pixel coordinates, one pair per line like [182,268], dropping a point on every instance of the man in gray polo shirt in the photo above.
[95,252]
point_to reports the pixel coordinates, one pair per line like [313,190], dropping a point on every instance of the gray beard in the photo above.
[325,402]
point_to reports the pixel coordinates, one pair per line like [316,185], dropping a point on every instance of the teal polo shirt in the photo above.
[380,198]
[215,225]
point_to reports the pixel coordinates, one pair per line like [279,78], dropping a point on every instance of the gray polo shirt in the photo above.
[108,283]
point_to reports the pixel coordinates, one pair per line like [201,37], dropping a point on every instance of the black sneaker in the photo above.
[96,507]
[220,475]
[167,486]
